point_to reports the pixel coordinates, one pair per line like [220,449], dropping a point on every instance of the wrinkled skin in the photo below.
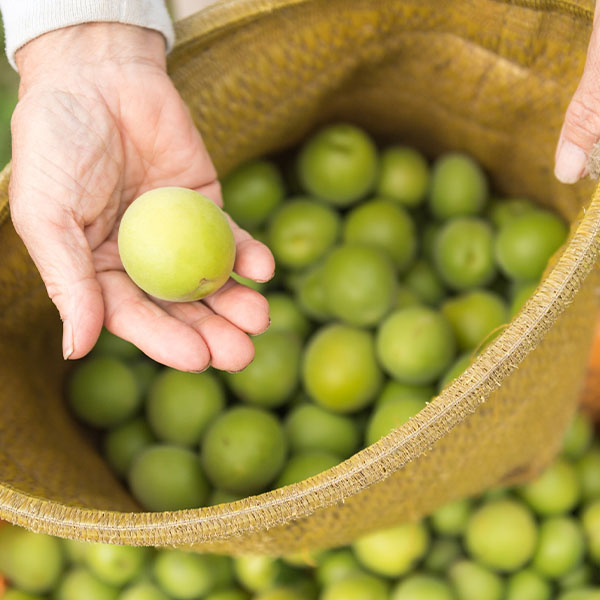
[97,124]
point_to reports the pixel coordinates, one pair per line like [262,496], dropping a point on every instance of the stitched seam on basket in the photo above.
[557,5]
[330,482]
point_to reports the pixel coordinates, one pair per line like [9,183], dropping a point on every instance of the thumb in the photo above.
[60,251]
[581,128]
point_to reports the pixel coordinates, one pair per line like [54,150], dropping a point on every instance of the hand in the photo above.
[97,124]
[581,128]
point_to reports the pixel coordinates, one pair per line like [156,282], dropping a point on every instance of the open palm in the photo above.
[86,144]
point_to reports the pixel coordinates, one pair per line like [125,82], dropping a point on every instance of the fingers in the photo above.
[130,314]
[60,251]
[187,336]
[243,307]
[581,128]
[230,348]
[213,192]
[253,259]
[106,257]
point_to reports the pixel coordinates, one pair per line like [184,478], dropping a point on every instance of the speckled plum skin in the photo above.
[176,244]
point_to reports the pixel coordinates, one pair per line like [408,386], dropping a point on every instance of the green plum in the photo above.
[338,164]
[80,583]
[415,345]
[123,443]
[337,565]
[286,315]
[181,406]
[302,465]
[223,497]
[143,591]
[502,210]
[252,191]
[272,377]
[590,519]
[463,253]
[310,427]
[528,585]
[578,437]
[176,244]
[561,547]
[227,594]
[442,553]
[75,550]
[502,535]
[423,280]
[244,450]
[472,581]
[108,344]
[32,562]
[257,573]
[340,370]
[165,477]
[458,187]
[393,552]
[588,473]
[301,232]
[360,284]
[394,390]
[475,315]
[389,416]
[403,176]
[116,565]
[422,587]
[525,244]
[452,518]
[103,392]
[310,293]
[356,587]
[384,225]
[555,491]
[183,575]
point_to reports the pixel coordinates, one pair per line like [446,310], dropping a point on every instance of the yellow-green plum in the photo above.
[176,244]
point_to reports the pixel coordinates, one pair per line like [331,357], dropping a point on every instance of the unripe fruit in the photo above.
[176,244]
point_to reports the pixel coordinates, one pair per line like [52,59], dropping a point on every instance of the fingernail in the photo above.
[67,339]
[261,280]
[570,163]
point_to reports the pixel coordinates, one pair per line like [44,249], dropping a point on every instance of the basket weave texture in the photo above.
[492,78]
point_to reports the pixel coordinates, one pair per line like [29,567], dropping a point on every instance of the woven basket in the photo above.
[488,77]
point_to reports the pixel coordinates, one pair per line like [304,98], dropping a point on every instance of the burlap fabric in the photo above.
[492,78]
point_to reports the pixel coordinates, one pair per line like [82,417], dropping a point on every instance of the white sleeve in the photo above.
[25,20]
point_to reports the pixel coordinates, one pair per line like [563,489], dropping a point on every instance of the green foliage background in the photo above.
[8,99]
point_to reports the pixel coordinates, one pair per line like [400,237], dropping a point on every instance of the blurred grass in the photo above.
[8,98]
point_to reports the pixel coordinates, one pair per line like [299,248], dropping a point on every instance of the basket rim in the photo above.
[207,524]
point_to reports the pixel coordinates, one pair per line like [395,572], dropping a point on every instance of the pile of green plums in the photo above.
[539,541]
[392,274]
